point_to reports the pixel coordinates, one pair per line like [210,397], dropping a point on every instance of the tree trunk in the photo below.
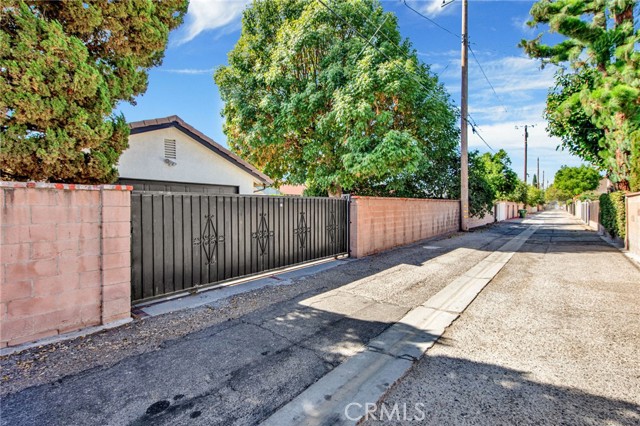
[335,191]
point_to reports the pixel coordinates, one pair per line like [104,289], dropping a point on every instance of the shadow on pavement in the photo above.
[463,392]
[239,371]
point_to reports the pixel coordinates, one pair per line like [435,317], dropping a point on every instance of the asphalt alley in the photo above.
[263,360]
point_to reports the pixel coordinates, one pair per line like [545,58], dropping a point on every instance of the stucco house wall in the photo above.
[197,161]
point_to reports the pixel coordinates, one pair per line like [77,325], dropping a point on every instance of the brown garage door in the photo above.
[165,186]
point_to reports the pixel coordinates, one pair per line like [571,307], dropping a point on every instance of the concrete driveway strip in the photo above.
[343,395]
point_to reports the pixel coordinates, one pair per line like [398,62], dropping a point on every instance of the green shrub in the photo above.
[588,196]
[612,213]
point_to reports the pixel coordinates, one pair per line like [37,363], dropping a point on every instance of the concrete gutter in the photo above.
[63,337]
[342,396]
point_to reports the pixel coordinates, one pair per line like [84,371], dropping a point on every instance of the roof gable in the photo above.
[175,121]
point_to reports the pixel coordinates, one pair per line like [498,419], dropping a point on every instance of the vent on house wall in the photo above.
[170,149]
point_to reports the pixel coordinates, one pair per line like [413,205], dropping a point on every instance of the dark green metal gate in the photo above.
[181,241]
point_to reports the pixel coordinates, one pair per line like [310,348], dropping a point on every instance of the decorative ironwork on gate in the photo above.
[180,241]
[332,228]
[302,231]
[209,240]
[263,234]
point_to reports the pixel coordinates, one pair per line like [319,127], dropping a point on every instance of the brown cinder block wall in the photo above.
[64,258]
[379,223]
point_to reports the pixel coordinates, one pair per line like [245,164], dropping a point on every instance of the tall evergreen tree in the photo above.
[567,119]
[64,65]
[308,100]
[600,35]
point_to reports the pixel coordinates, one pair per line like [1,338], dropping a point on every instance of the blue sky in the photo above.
[184,85]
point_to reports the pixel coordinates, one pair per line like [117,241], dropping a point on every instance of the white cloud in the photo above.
[522,87]
[436,54]
[431,8]
[190,71]
[205,15]
[505,135]
[510,135]
[520,23]
[518,82]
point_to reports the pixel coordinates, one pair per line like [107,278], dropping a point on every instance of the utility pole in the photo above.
[538,174]
[543,186]
[464,156]
[526,138]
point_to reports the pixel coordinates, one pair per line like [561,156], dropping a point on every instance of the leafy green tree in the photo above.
[520,193]
[501,177]
[554,194]
[576,180]
[64,65]
[535,196]
[481,191]
[309,101]
[598,35]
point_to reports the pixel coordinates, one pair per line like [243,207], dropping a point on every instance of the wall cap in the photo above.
[360,197]
[65,186]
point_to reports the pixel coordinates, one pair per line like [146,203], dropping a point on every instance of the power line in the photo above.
[445,68]
[470,120]
[393,43]
[486,78]
[476,130]
[431,20]
[359,34]
[374,34]
[413,76]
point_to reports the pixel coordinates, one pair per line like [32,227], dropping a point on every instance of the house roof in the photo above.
[177,122]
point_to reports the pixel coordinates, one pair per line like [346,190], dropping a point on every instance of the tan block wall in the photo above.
[379,224]
[633,223]
[64,258]
[475,222]
[506,210]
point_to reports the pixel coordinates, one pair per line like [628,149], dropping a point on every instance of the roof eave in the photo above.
[175,121]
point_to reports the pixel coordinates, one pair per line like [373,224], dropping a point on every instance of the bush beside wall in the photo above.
[612,213]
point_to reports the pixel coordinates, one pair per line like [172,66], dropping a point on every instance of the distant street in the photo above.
[552,339]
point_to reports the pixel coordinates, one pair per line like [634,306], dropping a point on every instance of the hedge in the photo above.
[612,213]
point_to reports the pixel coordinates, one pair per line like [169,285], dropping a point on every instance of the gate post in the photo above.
[347,198]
